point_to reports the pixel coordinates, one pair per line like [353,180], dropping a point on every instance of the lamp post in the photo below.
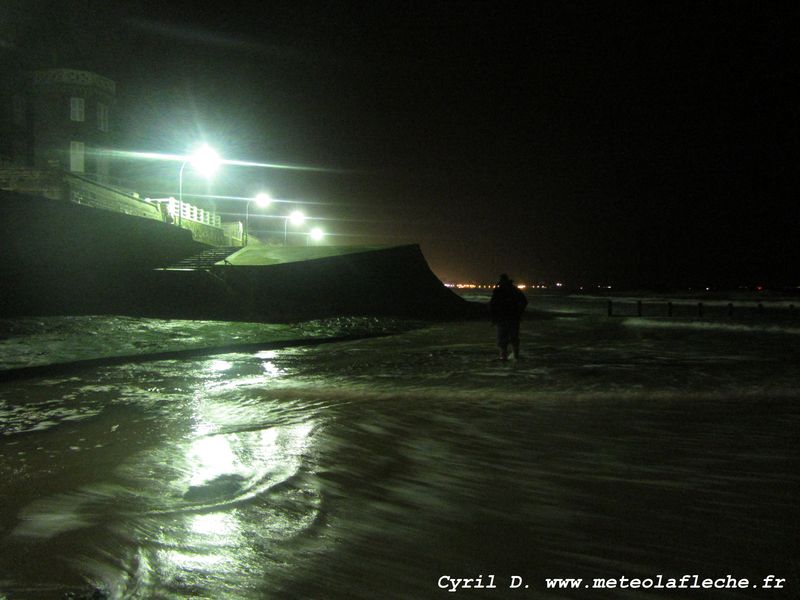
[206,161]
[263,200]
[296,217]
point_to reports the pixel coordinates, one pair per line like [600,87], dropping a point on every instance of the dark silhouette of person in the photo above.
[506,308]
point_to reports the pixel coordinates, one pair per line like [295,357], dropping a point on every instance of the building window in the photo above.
[76,155]
[76,109]
[18,110]
[102,116]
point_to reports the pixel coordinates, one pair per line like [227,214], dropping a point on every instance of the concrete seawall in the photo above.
[57,257]
[61,258]
[394,281]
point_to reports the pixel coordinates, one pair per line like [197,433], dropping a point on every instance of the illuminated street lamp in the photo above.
[262,200]
[296,217]
[206,162]
[316,234]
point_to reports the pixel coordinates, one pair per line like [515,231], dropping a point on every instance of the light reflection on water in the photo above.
[367,470]
[228,497]
[214,525]
[211,457]
[219,365]
[200,500]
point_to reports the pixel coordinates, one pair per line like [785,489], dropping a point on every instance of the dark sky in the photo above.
[633,143]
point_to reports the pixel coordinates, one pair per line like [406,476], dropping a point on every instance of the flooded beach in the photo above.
[262,265]
[386,467]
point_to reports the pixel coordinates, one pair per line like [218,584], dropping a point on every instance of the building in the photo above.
[54,135]
[16,145]
[70,121]
[58,119]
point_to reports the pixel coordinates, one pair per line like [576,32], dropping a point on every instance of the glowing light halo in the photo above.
[244,163]
[205,160]
[222,161]
[262,199]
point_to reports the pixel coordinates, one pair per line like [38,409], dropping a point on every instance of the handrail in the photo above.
[190,212]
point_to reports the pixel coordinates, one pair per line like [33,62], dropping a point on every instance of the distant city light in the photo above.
[522,286]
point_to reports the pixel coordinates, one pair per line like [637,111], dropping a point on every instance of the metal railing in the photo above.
[189,212]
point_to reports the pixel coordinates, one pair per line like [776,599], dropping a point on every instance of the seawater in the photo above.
[373,468]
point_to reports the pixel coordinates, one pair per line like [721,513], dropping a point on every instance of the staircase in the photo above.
[206,259]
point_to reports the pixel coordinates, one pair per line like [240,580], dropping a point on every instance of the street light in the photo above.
[316,234]
[263,200]
[296,217]
[206,162]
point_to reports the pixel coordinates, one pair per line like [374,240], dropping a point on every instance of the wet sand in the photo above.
[371,469]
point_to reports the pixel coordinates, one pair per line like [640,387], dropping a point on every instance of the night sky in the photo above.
[650,144]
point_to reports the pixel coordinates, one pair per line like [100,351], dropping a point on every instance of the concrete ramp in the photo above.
[284,284]
[261,256]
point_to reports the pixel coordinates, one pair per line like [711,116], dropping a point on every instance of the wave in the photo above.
[738,301]
[60,368]
[711,326]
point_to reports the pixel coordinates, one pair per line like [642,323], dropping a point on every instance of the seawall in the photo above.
[393,281]
[61,258]
[57,257]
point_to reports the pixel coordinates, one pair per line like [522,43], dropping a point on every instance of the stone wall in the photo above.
[57,257]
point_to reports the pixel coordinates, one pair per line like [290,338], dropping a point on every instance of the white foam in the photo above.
[710,326]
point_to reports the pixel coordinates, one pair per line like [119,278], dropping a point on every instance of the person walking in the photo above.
[506,308]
